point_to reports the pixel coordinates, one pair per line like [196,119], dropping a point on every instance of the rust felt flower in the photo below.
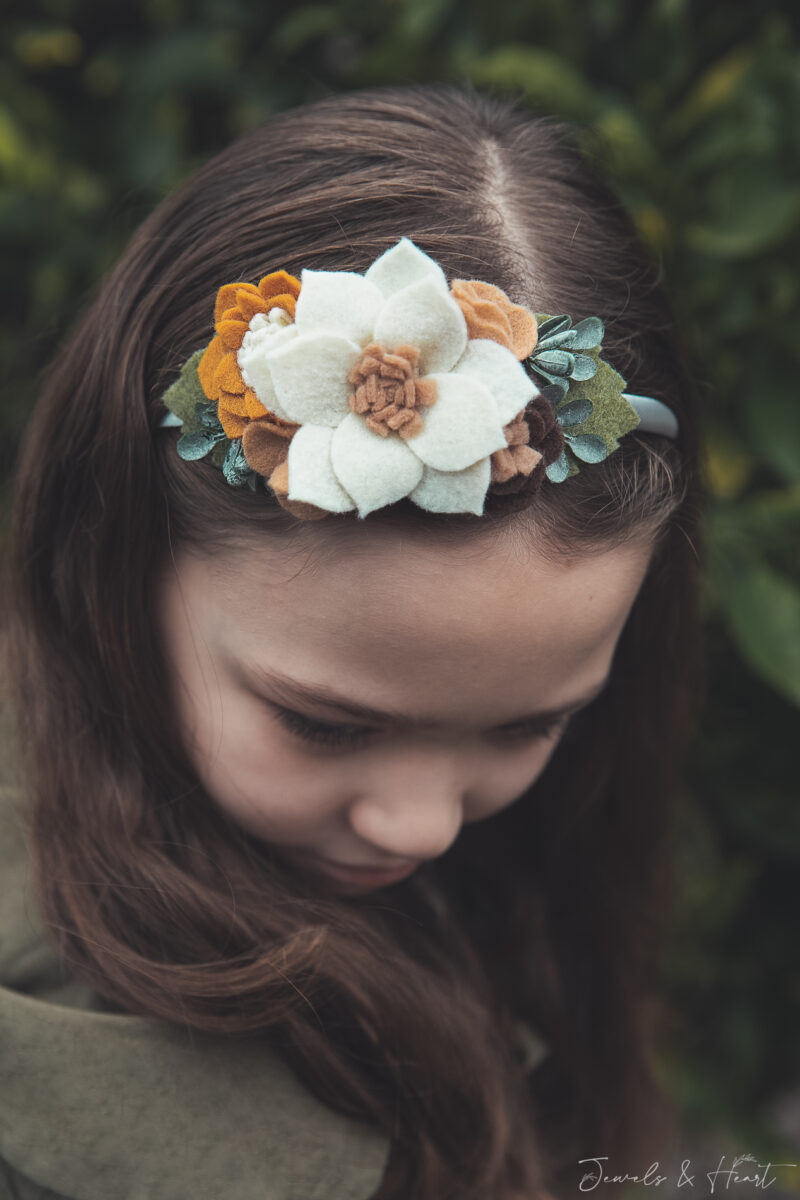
[490,314]
[238,304]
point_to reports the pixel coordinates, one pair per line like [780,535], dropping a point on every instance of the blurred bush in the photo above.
[694,110]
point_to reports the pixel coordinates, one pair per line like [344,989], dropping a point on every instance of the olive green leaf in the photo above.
[182,397]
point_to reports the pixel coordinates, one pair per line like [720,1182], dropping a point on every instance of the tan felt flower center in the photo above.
[388,391]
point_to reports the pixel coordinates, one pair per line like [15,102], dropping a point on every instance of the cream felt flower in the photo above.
[392,397]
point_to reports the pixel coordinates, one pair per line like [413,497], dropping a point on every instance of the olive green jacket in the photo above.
[96,1105]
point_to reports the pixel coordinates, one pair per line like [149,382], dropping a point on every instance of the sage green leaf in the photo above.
[554,340]
[588,334]
[556,381]
[208,417]
[186,393]
[193,446]
[584,367]
[559,362]
[235,466]
[558,471]
[551,325]
[219,453]
[588,447]
[574,413]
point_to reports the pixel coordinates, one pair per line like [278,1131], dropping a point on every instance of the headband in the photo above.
[350,392]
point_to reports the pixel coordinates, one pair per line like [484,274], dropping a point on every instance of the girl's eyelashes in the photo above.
[325,734]
[321,732]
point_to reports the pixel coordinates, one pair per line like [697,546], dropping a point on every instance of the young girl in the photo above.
[350,713]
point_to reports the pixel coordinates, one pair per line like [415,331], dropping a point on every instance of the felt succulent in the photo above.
[585,392]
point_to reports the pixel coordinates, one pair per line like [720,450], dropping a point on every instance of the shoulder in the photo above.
[134,1108]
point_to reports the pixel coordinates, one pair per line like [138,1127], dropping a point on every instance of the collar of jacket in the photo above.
[96,1104]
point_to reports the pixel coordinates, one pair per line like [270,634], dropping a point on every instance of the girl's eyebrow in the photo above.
[293,691]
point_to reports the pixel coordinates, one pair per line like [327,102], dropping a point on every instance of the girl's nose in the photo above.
[414,809]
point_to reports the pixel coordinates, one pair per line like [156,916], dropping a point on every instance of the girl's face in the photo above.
[356,706]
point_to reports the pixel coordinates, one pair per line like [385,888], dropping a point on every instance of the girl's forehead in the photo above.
[395,620]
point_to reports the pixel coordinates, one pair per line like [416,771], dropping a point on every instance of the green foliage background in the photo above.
[695,111]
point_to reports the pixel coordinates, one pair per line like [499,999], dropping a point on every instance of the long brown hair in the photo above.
[550,910]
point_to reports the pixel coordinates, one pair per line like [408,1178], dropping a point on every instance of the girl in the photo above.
[348,766]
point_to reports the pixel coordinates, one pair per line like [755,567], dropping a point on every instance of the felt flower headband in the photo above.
[350,392]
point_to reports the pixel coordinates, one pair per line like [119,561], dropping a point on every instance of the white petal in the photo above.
[310,377]
[338,301]
[454,491]
[258,343]
[424,316]
[374,470]
[311,477]
[501,374]
[460,427]
[403,265]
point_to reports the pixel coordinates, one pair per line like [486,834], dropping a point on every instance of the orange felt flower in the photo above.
[218,370]
[490,314]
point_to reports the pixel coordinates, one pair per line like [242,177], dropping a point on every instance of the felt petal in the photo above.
[340,301]
[206,368]
[309,376]
[403,265]
[253,359]
[374,470]
[461,427]
[424,316]
[234,426]
[228,377]
[232,333]
[311,477]
[277,283]
[500,373]
[226,297]
[454,491]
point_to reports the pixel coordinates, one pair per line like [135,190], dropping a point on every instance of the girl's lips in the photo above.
[364,876]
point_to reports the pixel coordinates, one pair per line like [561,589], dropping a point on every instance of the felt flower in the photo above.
[392,397]
[490,314]
[243,311]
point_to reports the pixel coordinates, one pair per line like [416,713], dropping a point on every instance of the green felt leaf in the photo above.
[611,417]
[574,413]
[552,325]
[235,466]
[556,381]
[584,367]
[553,341]
[588,334]
[218,453]
[588,447]
[193,446]
[185,393]
[559,470]
[558,362]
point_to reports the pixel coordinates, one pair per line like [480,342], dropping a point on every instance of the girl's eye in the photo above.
[320,732]
[324,734]
[541,731]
